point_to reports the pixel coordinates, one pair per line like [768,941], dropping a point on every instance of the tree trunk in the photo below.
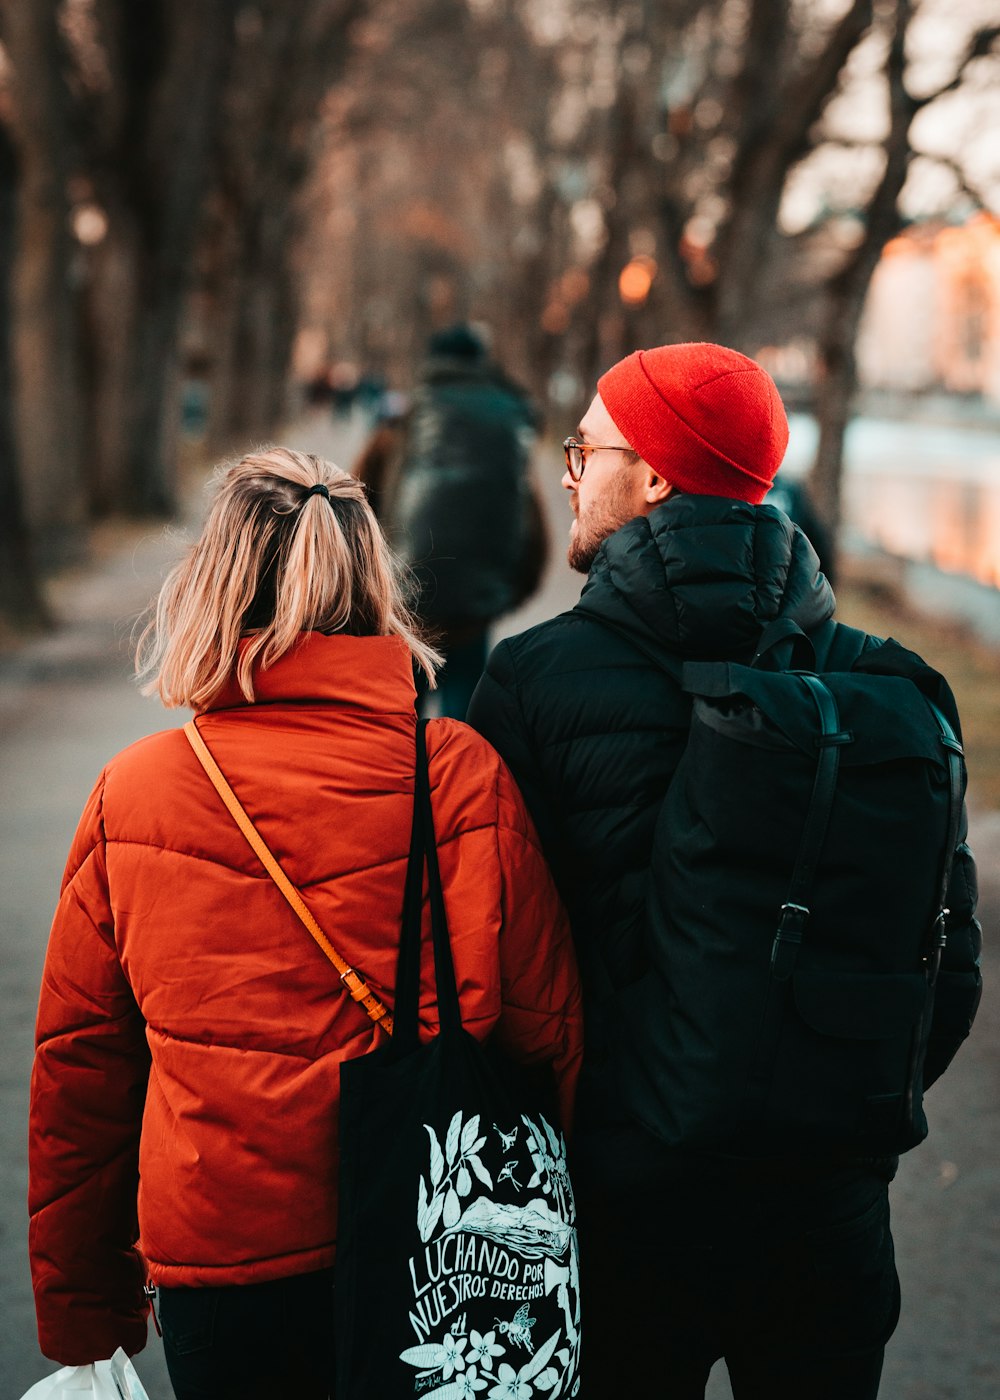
[154,136]
[45,338]
[847,291]
[835,389]
[21,605]
[257,321]
[181,137]
[263,162]
[109,313]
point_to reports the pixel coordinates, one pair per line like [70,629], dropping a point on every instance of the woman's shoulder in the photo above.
[452,742]
[466,765]
[146,760]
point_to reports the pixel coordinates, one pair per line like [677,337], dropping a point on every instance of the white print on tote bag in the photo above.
[508,1258]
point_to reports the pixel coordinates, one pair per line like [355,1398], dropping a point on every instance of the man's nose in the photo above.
[568,481]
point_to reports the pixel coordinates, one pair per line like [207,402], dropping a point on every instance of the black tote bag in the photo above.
[457,1271]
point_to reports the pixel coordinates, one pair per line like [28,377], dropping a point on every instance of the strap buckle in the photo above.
[785,948]
[366,998]
[939,939]
[354,984]
[149,1289]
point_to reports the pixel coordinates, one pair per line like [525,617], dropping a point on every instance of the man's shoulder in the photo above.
[560,643]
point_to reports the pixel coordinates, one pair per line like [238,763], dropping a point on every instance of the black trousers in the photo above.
[257,1341]
[794,1284]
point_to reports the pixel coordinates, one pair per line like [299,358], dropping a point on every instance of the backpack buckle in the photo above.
[785,948]
[932,959]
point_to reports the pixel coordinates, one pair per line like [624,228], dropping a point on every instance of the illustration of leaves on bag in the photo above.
[499,1265]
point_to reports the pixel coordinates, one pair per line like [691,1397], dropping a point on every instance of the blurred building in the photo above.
[933,315]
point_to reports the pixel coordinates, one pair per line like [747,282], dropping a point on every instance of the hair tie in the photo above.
[319,490]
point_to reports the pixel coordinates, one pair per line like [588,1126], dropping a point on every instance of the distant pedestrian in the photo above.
[451,484]
[794,499]
[343,388]
[185,1095]
[370,394]
[773,902]
[317,390]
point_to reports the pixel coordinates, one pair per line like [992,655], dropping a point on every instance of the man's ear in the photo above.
[656,490]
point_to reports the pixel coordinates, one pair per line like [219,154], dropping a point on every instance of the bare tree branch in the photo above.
[806,97]
[980,46]
[965,185]
[767,149]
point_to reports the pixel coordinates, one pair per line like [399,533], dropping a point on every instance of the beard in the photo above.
[601,518]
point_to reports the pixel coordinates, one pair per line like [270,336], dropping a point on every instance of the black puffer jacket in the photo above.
[456,499]
[592,729]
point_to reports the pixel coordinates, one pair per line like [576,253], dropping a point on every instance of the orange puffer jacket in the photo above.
[190,1031]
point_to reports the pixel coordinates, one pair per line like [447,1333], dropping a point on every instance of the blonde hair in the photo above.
[271,563]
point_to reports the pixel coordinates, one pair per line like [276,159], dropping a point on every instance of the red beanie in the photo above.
[705,418]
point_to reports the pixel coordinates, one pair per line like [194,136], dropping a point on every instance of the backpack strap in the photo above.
[354,983]
[795,910]
[954,754]
[838,646]
[784,646]
[832,646]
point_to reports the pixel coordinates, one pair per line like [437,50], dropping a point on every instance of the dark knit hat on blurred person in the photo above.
[458,342]
[707,419]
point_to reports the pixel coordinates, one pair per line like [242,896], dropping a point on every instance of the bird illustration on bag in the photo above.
[507,1174]
[507,1140]
[495,1226]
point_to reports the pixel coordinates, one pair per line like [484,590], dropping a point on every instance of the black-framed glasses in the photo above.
[577,452]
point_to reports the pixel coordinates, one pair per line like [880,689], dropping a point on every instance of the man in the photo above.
[784,1266]
[450,482]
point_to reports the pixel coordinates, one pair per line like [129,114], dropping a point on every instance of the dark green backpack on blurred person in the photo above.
[461,511]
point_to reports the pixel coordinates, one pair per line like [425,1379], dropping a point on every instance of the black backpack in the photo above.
[796,905]
[460,509]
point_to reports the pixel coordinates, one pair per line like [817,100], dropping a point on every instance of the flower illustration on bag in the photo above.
[516,1385]
[509,1385]
[528,1226]
[453,1358]
[469,1384]
[484,1348]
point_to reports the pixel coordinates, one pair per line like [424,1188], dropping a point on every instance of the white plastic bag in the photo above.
[104,1380]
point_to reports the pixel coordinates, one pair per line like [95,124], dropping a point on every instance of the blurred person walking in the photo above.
[793,498]
[750,1072]
[450,482]
[190,1035]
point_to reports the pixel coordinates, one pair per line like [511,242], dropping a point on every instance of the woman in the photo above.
[190,1032]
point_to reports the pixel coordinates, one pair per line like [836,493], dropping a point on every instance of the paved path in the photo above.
[67,703]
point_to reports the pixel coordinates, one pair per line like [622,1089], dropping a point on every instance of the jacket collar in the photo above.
[359,673]
[702,575]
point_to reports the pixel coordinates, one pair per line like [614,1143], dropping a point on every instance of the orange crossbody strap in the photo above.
[354,983]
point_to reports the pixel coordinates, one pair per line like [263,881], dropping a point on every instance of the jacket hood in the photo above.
[702,575]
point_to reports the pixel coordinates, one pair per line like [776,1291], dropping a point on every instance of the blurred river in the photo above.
[924,493]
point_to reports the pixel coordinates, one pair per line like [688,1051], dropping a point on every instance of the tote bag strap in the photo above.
[354,983]
[423,853]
